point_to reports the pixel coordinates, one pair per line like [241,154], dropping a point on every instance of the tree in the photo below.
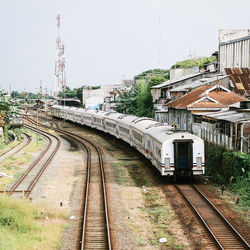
[8,109]
[79,93]
[144,100]
[127,101]
[68,93]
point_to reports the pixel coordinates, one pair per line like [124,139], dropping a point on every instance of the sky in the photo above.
[107,41]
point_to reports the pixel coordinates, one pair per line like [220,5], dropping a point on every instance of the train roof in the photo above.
[126,119]
[112,115]
[141,123]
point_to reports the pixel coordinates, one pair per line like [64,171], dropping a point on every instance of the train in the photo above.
[16,121]
[171,152]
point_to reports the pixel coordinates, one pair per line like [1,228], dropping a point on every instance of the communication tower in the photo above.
[60,72]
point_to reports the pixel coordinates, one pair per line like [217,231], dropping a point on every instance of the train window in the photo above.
[86,118]
[149,144]
[109,124]
[124,130]
[158,152]
[137,136]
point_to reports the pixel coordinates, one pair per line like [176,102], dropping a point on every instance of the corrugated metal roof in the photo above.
[165,84]
[232,116]
[241,79]
[196,84]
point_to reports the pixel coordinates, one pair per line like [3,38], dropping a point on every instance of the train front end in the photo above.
[183,154]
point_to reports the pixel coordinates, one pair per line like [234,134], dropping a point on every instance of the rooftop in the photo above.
[241,79]
[206,97]
[197,83]
[167,83]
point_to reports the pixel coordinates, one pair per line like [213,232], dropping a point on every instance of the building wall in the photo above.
[179,73]
[181,117]
[96,96]
[234,49]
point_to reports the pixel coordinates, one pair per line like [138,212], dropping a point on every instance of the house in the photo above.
[216,79]
[160,92]
[203,99]
[177,87]
[234,49]
[230,128]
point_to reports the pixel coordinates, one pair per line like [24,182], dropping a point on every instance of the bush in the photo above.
[241,187]
[225,166]
[230,168]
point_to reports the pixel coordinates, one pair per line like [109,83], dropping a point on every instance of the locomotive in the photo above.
[171,151]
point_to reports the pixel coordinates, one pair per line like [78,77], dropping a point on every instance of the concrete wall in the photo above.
[96,96]
[179,73]
[234,49]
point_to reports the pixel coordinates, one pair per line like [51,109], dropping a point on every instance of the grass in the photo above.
[153,208]
[120,173]
[23,226]
[5,147]
[14,165]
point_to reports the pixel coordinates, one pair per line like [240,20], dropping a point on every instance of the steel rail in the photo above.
[219,244]
[103,188]
[230,226]
[75,136]
[45,165]
[37,177]
[25,144]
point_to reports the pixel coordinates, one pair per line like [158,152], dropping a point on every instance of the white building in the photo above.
[234,49]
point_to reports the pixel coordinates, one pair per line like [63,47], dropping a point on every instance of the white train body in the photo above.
[170,151]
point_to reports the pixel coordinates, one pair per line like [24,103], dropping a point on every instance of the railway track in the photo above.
[95,232]
[17,148]
[26,183]
[221,231]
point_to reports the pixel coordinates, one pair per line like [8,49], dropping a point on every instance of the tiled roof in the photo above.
[215,99]
[226,98]
[206,105]
[189,98]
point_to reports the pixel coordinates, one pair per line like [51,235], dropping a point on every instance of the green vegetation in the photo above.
[165,73]
[23,226]
[138,99]
[231,169]
[200,62]
[13,166]
[147,75]
[29,97]
[74,93]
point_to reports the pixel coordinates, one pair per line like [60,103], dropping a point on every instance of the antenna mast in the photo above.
[60,73]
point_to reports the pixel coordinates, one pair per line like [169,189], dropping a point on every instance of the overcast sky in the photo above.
[108,40]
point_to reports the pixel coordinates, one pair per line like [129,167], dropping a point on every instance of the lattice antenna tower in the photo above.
[60,72]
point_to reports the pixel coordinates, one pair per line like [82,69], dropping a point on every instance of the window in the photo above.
[87,118]
[111,125]
[124,130]
[137,136]
[158,152]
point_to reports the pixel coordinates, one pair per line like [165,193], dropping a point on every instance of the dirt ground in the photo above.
[140,211]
